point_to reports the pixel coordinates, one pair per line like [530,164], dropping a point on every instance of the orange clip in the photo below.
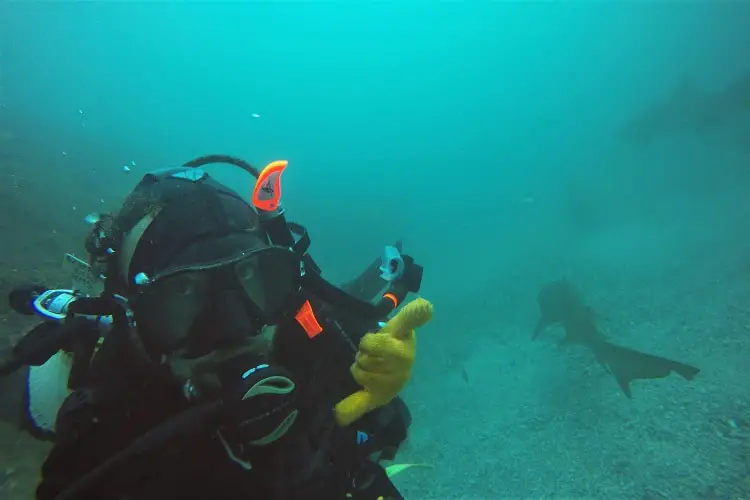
[267,190]
[392,298]
[307,320]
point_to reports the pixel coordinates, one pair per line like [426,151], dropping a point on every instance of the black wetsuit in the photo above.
[120,404]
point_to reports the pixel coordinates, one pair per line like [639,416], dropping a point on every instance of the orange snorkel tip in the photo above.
[267,190]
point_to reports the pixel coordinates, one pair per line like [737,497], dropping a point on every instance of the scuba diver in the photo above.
[176,387]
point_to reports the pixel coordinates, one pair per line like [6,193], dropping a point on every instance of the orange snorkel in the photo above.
[267,190]
[267,201]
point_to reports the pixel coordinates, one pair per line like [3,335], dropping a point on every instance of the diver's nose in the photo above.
[236,321]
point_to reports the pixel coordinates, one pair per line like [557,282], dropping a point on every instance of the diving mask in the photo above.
[214,304]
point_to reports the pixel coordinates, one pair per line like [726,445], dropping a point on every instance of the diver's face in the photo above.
[166,311]
[198,309]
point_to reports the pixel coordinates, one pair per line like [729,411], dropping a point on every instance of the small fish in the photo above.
[255,115]
[125,169]
[464,374]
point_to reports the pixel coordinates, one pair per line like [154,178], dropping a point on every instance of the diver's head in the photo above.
[203,269]
[196,265]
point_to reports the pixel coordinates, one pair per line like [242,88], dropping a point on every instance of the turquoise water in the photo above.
[493,139]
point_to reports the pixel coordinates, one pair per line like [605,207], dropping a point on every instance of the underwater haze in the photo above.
[508,144]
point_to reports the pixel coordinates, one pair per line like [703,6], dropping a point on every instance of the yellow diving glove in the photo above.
[383,364]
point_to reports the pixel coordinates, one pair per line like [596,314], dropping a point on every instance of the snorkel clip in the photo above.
[267,201]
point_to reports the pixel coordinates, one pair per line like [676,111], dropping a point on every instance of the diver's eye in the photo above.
[246,270]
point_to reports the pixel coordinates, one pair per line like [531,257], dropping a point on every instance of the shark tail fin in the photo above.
[627,364]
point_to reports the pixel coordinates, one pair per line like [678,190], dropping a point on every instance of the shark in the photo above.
[688,108]
[561,304]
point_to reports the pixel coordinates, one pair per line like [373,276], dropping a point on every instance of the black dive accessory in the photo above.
[40,344]
[182,424]
[51,305]
[74,323]
[259,399]
[257,407]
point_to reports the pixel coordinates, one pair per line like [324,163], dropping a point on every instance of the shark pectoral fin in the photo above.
[541,325]
[624,383]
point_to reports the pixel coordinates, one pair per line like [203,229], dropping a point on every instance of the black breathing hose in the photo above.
[182,424]
[231,160]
